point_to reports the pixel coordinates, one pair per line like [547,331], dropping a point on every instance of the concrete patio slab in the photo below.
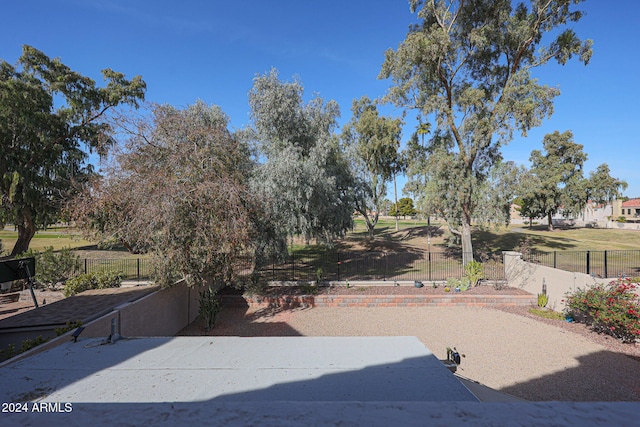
[188,369]
[281,381]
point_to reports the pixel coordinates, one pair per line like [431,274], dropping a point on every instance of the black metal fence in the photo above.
[604,264]
[405,266]
[389,266]
[132,268]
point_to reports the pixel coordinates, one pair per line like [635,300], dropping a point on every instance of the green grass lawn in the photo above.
[401,254]
[579,239]
[412,235]
[389,224]
[57,237]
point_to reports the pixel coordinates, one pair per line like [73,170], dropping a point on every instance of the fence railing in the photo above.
[385,266]
[603,264]
[132,268]
[399,266]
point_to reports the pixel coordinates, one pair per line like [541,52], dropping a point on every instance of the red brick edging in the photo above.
[453,300]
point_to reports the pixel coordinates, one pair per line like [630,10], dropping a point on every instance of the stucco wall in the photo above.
[530,277]
[162,313]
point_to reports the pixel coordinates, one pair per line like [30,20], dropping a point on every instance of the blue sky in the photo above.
[211,50]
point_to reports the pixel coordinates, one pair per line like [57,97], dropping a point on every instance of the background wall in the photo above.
[530,277]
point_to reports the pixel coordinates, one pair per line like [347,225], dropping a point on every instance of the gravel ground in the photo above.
[386,290]
[507,349]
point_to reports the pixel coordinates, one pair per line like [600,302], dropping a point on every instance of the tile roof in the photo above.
[631,203]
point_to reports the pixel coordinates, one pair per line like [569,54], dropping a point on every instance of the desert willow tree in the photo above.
[302,176]
[179,190]
[467,65]
[372,142]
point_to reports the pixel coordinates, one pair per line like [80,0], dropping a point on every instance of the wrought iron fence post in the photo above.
[138,262]
[554,259]
[384,271]
[293,266]
[588,262]
[429,264]
[606,272]
[85,266]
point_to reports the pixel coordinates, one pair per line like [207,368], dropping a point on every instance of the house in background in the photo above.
[594,211]
[593,215]
[629,209]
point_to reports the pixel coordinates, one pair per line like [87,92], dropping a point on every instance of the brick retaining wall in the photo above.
[453,300]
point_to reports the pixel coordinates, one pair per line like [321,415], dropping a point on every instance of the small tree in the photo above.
[416,170]
[602,187]
[53,267]
[404,207]
[559,180]
[372,143]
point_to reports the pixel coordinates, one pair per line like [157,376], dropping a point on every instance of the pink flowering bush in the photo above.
[613,309]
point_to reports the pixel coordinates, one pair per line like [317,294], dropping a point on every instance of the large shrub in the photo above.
[99,280]
[53,267]
[474,271]
[613,309]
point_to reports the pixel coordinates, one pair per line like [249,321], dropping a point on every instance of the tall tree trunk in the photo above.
[395,195]
[550,220]
[26,231]
[467,246]
[370,222]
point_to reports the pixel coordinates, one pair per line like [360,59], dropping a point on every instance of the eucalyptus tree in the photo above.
[416,170]
[468,66]
[48,115]
[602,187]
[506,182]
[302,175]
[372,142]
[179,190]
[559,182]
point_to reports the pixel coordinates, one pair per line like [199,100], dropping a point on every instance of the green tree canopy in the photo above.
[467,66]
[559,182]
[405,207]
[417,155]
[602,187]
[48,114]
[302,175]
[372,142]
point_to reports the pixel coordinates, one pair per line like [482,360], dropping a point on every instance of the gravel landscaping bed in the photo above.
[380,290]
[607,341]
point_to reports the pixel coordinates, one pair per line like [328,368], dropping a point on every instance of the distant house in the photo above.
[629,209]
[594,211]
